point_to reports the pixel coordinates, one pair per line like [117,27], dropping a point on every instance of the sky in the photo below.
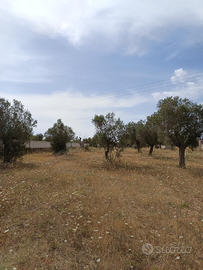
[70,60]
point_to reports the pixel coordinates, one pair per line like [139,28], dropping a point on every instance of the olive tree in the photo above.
[181,121]
[94,141]
[147,132]
[16,128]
[110,133]
[132,136]
[59,135]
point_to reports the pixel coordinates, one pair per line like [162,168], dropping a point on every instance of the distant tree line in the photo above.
[178,122]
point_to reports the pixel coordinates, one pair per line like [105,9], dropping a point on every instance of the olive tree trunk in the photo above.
[107,152]
[182,155]
[138,146]
[151,150]
[6,153]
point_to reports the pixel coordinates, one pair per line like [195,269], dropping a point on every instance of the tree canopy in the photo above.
[110,133]
[59,135]
[147,132]
[16,128]
[37,137]
[181,121]
[132,135]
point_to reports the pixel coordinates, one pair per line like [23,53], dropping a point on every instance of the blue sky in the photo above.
[74,59]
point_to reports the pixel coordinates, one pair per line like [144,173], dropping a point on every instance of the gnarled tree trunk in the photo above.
[6,153]
[182,155]
[138,146]
[151,150]
[107,153]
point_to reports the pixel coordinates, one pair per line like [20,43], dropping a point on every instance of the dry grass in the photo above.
[80,212]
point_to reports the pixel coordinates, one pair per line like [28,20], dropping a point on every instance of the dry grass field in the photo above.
[79,211]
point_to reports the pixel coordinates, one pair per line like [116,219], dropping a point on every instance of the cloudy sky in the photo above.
[74,59]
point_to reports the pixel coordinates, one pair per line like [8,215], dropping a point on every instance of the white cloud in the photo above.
[128,24]
[180,76]
[75,109]
[17,63]
[109,25]
[114,25]
[187,85]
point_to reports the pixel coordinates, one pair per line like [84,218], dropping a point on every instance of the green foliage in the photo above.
[110,133]
[59,135]
[37,137]
[87,140]
[181,121]
[147,132]
[131,136]
[94,141]
[86,148]
[193,145]
[13,150]
[184,205]
[16,127]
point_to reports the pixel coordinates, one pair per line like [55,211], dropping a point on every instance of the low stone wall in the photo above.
[74,145]
[47,145]
[38,145]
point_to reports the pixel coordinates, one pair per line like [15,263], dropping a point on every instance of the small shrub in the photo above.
[184,205]
[86,148]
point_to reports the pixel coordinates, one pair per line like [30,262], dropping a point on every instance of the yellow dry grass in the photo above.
[79,211]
